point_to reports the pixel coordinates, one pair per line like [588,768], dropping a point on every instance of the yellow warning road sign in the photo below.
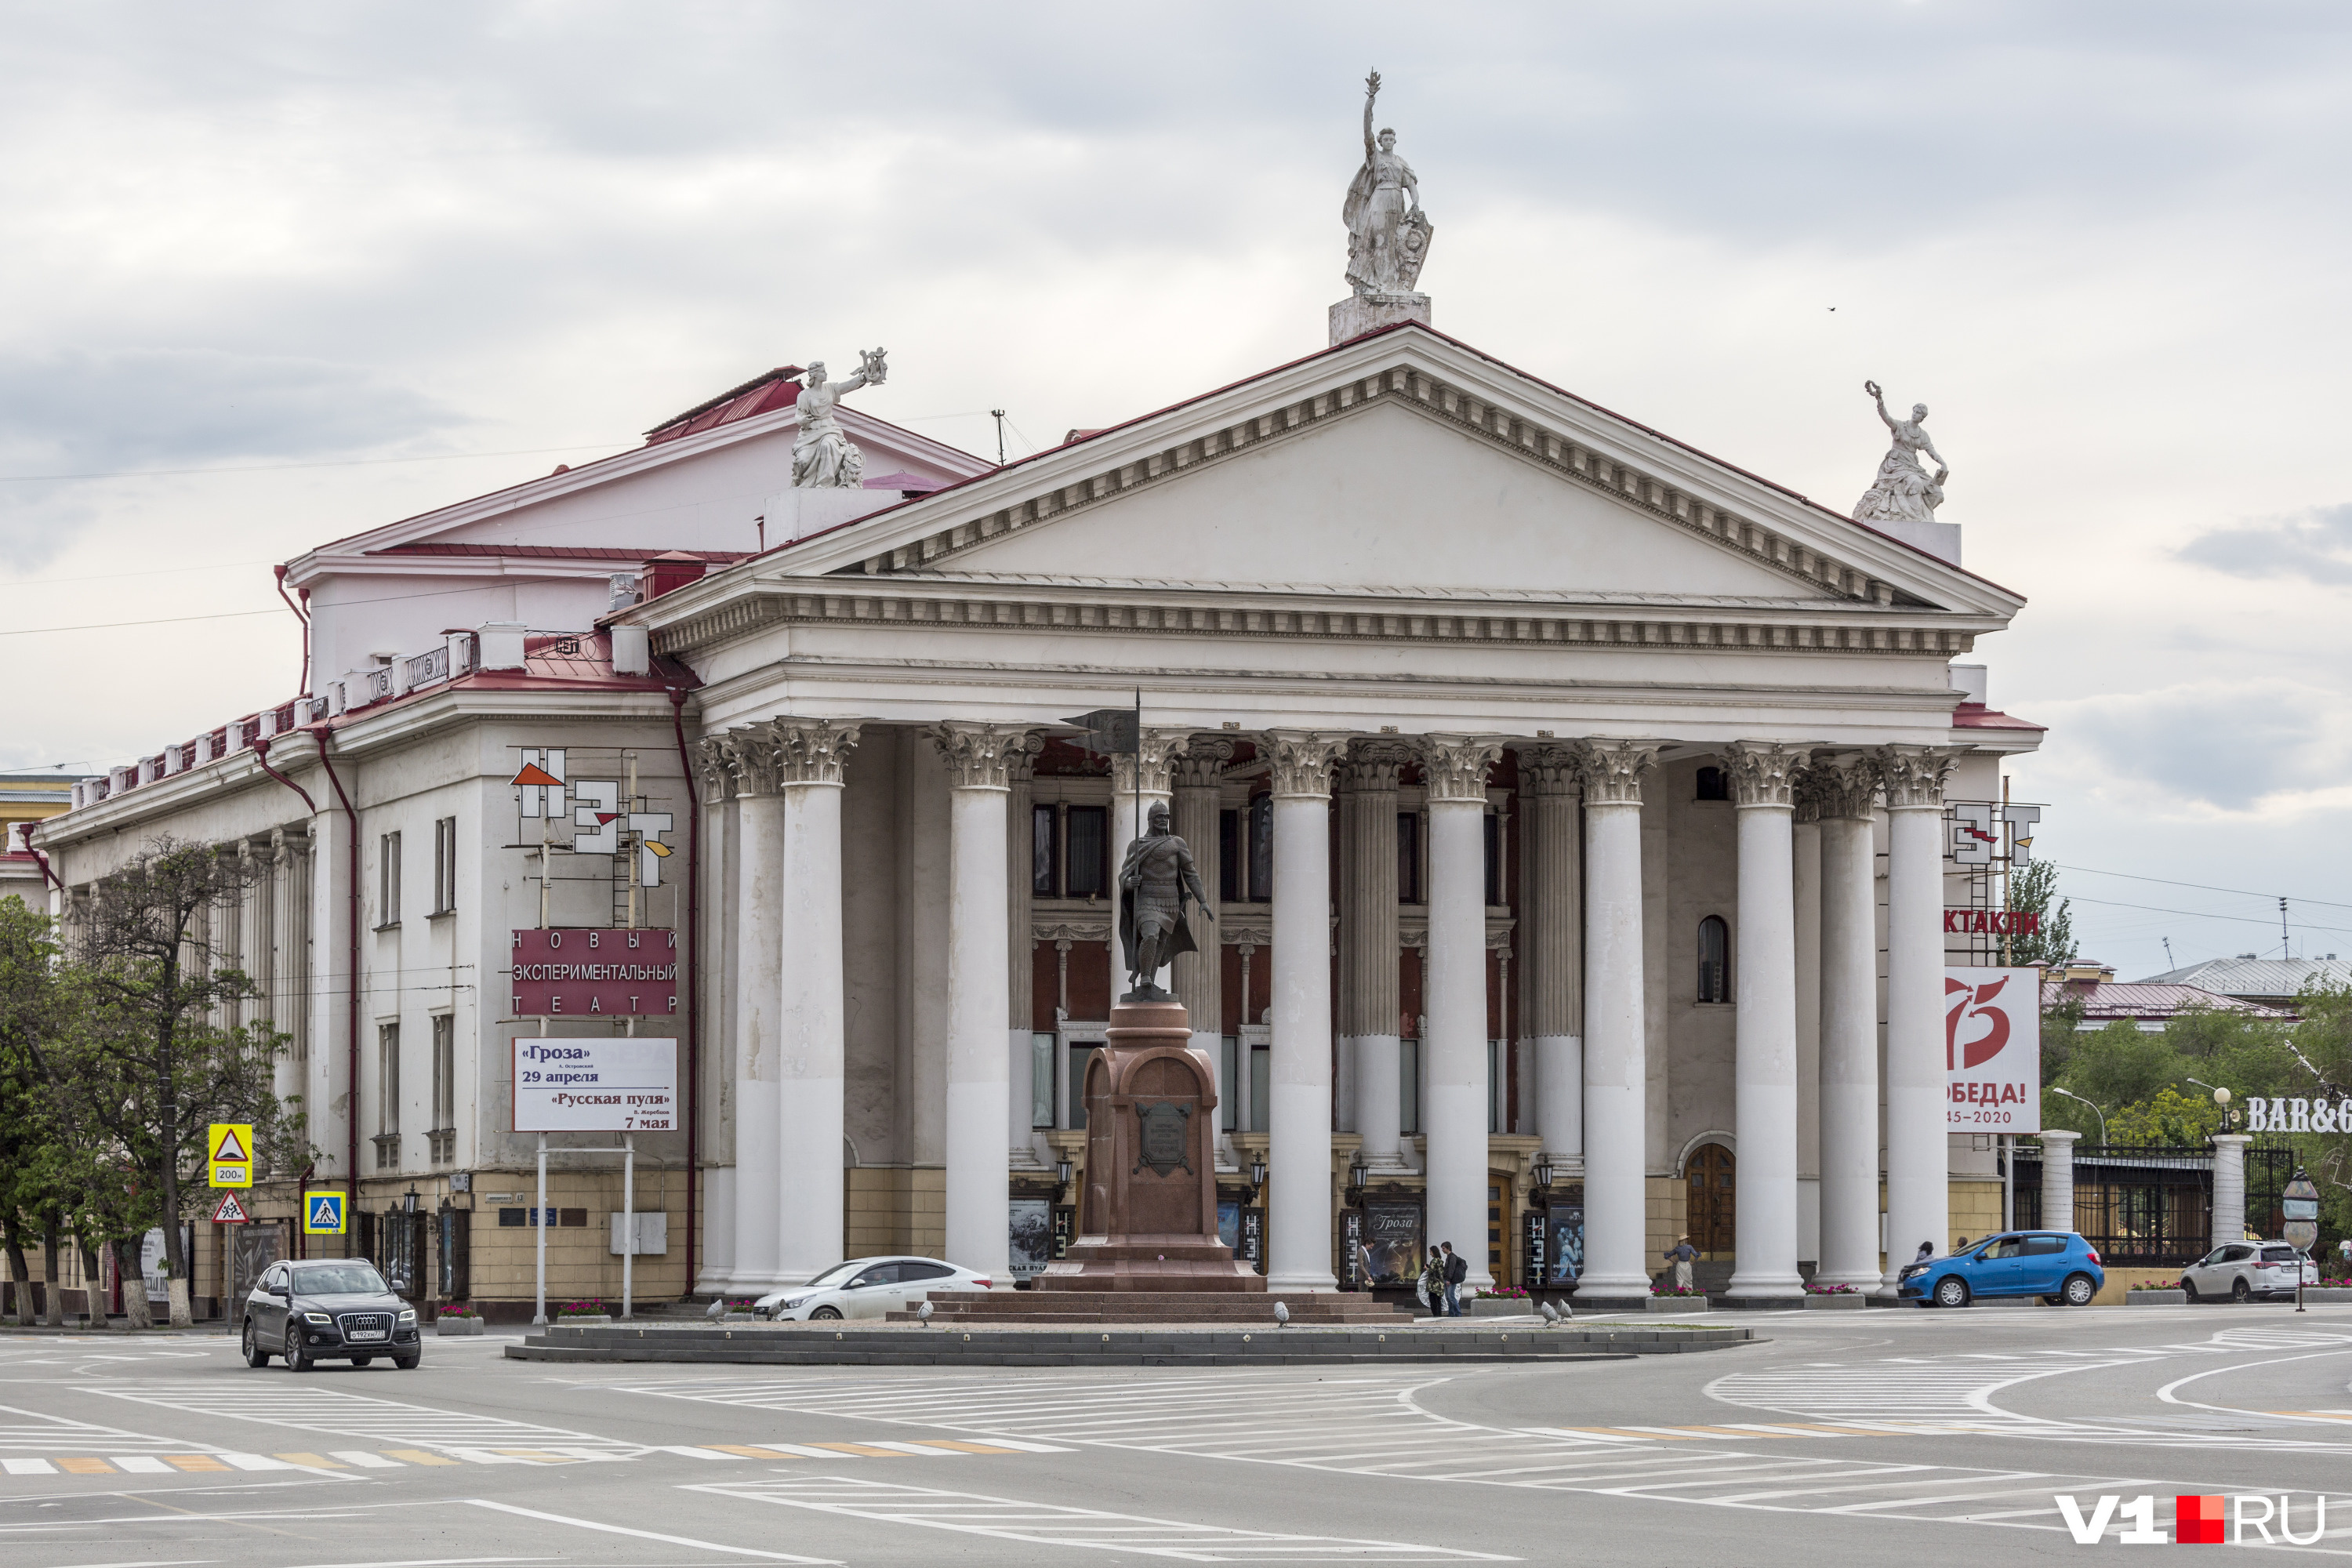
[229,1153]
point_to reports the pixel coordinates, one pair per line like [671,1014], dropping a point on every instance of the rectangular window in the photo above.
[1229,1110]
[1409,1086]
[1090,842]
[445,1071]
[445,865]
[1043,862]
[1494,859]
[1229,857]
[1041,1080]
[1261,848]
[1080,1056]
[387,893]
[1261,1083]
[1408,856]
[388,1046]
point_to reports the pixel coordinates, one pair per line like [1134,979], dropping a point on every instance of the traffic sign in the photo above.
[324,1213]
[230,1211]
[229,1153]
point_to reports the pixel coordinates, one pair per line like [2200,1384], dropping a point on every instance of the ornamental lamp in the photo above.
[1257,1173]
[1542,1174]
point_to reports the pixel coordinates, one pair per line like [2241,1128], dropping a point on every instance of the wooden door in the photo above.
[1713,1202]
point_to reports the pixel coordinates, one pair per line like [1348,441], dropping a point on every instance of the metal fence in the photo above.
[2151,1206]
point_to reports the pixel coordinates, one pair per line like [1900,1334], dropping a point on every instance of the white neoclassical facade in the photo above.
[1572,802]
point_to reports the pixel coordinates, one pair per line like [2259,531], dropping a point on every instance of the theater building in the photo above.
[1579,813]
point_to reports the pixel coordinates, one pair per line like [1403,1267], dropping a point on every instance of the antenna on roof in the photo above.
[2168,962]
[998,414]
[2287,944]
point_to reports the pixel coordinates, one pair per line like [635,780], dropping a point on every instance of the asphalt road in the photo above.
[1858,1437]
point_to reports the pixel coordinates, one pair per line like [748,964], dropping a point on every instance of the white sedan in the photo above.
[866,1288]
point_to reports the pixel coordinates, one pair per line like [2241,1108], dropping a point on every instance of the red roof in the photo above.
[762,393]
[560,552]
[1977,716]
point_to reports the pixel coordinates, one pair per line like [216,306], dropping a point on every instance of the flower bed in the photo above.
[1502,1293]
[591,1308]
[1677,1291]
[1814,1289]
[459,1309]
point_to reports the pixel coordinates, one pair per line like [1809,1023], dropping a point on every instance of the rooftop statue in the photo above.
[823,457]
[1388,232]
[1903,492]
[1155,881]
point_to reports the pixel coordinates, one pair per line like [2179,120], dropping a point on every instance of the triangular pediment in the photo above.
[1402,463]
[1386,502]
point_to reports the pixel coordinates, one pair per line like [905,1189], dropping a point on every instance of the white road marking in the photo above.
[390,1422]
[644,1535]
[39,1432]
[1055,1524]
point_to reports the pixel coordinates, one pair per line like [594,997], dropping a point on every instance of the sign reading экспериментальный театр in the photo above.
[596,972]
[568,1085]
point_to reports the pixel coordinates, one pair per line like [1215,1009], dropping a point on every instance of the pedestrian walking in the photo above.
[1432,1287]
[1927,1250]
[1682,1255]
[1457,1270]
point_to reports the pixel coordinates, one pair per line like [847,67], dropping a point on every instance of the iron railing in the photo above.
[2151,1206]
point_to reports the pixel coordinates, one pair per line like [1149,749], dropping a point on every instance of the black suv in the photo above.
[328,1309]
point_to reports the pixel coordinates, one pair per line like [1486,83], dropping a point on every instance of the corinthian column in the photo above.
[755,758]
[1918,1191]
[1369,999]
[812,1071]
[1454,1047]
[1549,901]
[1020,974]
[716,991]
[1763,779]
[1298,1124]
[1615,1070]
[979,758]
[1198,978]
[1844,787]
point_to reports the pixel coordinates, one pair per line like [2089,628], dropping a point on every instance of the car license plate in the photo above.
[371,1334]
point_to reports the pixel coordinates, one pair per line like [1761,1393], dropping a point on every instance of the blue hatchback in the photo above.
[2057,1266]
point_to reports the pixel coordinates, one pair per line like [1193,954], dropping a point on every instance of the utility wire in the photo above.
[2200,887]
[323,463]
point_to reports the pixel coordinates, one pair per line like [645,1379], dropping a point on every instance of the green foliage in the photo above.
[2036,889]
[2122,1064]
[2169,1116]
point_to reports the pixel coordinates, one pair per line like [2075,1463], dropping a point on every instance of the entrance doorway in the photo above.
[1714,1201]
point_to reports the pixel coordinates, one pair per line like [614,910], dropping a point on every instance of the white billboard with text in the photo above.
[570,1085]
[1992,1050]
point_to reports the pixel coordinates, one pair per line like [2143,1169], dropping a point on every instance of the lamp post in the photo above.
[2222,1098]
[2095,1110]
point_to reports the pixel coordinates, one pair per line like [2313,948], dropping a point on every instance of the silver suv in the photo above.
[2243,1271]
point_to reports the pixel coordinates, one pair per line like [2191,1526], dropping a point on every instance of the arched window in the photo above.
[1714,960]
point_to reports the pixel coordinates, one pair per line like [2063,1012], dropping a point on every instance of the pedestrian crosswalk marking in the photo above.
[349,1459]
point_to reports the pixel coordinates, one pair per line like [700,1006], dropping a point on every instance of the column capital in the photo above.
[1614,770]
[1763,773]
[1203,763]
[1454,767]
[753,759]
[1374,764]
[1913,776]
[1302,760]
[1551,767]
[1154,759]
[812,750]
[2059,1139]
[980,755]
[711,774]
[1841,786]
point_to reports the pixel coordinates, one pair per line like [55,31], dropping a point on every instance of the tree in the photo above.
[2121,1064]
[147,1062]
[2053,946]
[31,1009]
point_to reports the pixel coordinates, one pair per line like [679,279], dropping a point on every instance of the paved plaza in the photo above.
[1856,1434]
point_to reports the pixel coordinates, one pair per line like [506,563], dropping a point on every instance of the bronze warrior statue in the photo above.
[1156,881]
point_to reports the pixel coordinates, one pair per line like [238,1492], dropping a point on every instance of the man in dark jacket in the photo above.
[1457,1270]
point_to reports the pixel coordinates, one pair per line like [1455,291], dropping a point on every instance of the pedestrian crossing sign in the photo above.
[229,1153]
[323,1215]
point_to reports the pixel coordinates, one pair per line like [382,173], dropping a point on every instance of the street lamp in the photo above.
[1357,1171]
[1061,1179]
[2222,1098]
[2095,1110]
[1257,1175]
[1542,1175]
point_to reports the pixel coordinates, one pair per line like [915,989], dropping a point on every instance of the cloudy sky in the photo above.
[284,271]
